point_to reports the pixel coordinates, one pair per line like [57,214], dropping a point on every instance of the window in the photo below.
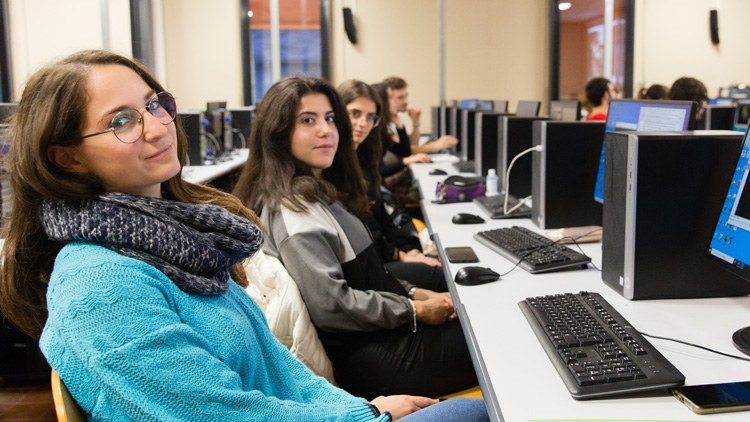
[302,42]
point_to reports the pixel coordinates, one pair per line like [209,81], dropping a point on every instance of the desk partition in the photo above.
[518,381]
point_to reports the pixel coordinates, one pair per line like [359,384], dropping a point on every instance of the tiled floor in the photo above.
[33,403]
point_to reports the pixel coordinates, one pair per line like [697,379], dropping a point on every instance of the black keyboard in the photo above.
[465,166]
[594,349]
[494,206]
[535,252]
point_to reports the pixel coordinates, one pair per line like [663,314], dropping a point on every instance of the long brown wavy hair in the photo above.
[51,112]
[273,177]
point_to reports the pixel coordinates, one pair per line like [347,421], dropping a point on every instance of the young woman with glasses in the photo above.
[401,251]
[302,175]
[145,317]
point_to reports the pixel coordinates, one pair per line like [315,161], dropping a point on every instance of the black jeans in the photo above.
[431,362]
[418,274]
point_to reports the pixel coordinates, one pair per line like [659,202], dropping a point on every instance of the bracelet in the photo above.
[414,316]
[412,291]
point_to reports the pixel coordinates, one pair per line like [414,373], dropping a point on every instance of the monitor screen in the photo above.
[528,108]
[741,114]
[469,104]
[565,110]
[643,115]
[731,240]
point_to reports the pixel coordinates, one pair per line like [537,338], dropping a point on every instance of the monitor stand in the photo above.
[741,339]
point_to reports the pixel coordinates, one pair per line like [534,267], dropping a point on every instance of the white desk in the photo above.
[205,174]
[519,382]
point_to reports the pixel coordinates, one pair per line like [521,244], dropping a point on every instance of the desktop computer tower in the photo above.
[242,119]
[486,140]
[454,117]
[514,136]
[718,117]
[662,196]
[439,121]
[197,147]
[468,118]
[563,173]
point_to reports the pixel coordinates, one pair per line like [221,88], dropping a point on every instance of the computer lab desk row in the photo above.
[518,381]
[207,173]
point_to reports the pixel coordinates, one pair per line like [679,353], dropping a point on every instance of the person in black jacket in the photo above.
[400,250]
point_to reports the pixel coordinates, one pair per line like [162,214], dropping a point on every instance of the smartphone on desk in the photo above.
[715,398]
[461,254]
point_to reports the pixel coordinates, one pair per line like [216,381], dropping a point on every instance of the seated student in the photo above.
[654,92]
[303,176]
[690,89]
[599,92]
[401,251]
[398,97]
[142,319]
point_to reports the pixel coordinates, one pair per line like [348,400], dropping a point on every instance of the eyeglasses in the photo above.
[371,118]
[127,125]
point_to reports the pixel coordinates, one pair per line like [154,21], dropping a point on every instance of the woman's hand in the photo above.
[425,294]
[401,405]
[416,256]
[417,158]
[434,311]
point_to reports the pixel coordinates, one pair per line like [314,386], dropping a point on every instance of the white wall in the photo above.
[672,39]
[43,30]
[203,56]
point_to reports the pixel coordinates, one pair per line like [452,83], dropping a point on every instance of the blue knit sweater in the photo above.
[130,345]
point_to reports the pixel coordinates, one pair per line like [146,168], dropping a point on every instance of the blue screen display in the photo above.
[731,240]
[653,116]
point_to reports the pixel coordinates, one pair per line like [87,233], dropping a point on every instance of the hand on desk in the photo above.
[415,255]
[417,158]
[402,405]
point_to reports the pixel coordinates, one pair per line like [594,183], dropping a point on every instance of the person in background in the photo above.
[303,176]
[145,317]
[401,251]
[688,88]
[398,97]
[654,92]
[599,92]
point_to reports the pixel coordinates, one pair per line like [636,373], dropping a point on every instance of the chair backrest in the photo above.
[65,405]
[276,293]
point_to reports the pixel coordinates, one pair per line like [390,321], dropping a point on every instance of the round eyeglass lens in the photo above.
[128,126]
[163,107]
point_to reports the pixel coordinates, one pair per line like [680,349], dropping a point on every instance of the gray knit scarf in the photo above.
[192,244]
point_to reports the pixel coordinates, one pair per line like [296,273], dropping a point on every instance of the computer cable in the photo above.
[217,145]
[238,133]
[697,346]
[507,211]
[574,240]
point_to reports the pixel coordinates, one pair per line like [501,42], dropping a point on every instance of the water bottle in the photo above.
[491,181]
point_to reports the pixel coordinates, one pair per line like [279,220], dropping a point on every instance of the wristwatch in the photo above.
[411,292]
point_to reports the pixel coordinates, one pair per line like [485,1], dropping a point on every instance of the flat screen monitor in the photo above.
[718,117]
[565,110]
[730,244]
[528,108]
[741,114]
[468,104]
[485,105]
[643,115]
[501,106]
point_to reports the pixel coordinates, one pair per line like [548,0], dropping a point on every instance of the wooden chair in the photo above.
[469,393]
[65,405]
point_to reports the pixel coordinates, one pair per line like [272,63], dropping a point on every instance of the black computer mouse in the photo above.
[438,172]
[466,218]
[473,275]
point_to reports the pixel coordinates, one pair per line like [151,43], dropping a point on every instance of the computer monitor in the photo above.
[565,110]
[468,104]
[730,244]
[643,115]
[528,108]
[501,106]
[718,117]
[485,105]
[741,114]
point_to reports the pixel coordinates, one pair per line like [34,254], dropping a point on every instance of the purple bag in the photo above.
[459,189]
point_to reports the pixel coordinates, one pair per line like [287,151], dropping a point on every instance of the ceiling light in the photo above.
[565,5]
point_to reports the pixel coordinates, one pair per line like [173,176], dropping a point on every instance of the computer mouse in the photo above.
[466,218]
[473,275]
[438,172]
